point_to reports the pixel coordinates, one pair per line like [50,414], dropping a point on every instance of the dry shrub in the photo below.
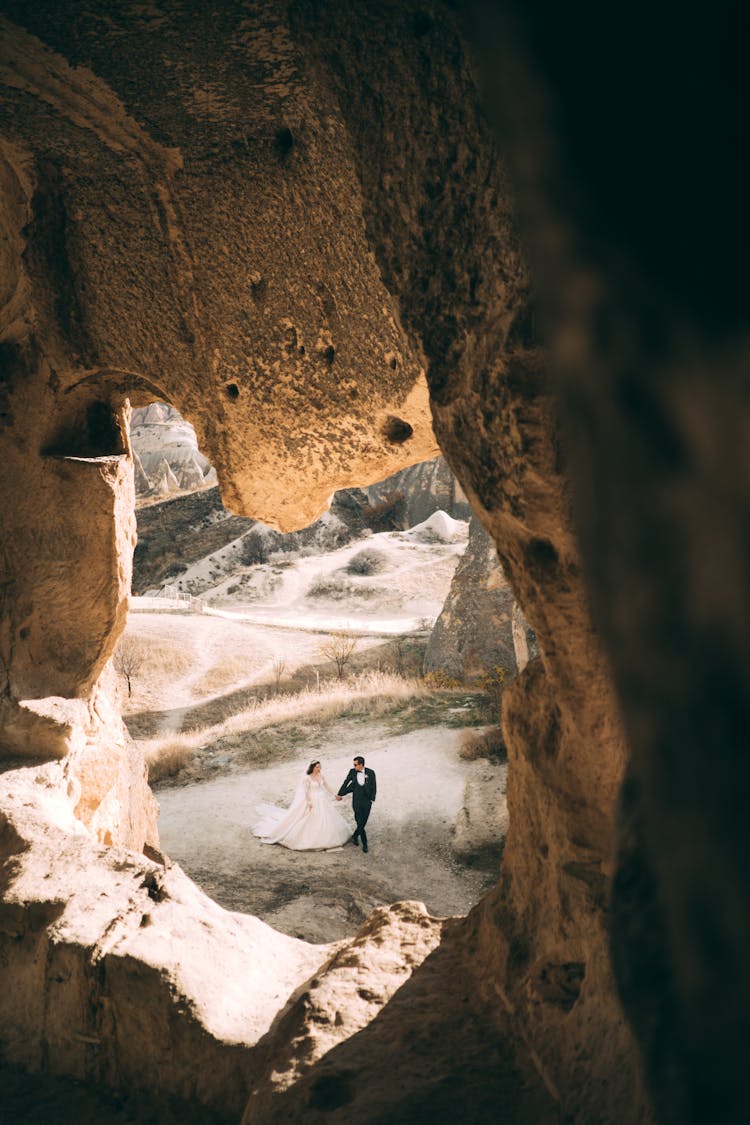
[255,549]
[493,683]
[329,586]
[337,587]
[487,743]
[167,759]
[439,680]
[339,648]
[368,561]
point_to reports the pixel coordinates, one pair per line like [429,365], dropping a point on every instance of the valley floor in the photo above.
[324,896]
[232,703]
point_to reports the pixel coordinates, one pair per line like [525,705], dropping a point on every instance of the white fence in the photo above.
[166,603]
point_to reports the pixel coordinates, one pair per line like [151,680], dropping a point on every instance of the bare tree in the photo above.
[339,647]
[128,661]
[398,654]
[279,668]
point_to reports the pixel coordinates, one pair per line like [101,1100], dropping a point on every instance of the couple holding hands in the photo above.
[311,822]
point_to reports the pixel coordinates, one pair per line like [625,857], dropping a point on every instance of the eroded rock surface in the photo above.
[278,219]
[257,231]
[112,949]
[481,630]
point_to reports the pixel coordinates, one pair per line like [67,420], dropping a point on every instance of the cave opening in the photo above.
[186,192]
[249,653]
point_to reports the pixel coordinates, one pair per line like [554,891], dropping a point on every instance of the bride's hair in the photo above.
[312,766]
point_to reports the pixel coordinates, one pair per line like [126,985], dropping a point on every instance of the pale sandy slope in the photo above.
[417,567]
[191,657]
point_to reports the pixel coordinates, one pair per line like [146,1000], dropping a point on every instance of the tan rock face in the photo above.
[138,265]
[275,218]
[259,234]
[251,283]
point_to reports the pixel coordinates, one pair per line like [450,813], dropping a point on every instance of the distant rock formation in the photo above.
[438,528]
[419,491]
[168,462]
[191,476]
[180,531]
[169,466]
[481,627]
[142,483]
[165,482]
[167,458]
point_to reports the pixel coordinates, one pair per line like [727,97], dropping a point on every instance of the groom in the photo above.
[361,784]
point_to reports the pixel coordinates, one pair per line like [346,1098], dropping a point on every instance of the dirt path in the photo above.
[323,896]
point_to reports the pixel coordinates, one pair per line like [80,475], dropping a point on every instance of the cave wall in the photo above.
[624,132]
[278,228]
[288,221]
[192,260]
[443,213]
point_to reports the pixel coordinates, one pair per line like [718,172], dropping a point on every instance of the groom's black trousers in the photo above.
[361,814]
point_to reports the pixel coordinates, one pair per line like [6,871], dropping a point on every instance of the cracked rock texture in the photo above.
[122,968]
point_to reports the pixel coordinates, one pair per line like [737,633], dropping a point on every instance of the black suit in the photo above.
[362,798]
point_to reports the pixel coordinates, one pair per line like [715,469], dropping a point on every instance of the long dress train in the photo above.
[310,823]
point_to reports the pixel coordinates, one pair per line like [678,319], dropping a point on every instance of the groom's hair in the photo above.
[359,759]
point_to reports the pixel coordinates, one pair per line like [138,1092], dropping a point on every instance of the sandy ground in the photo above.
[319,591]
[323,896]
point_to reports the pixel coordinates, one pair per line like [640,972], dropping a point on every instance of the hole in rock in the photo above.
[249,654]
[422,24]
[284,141]
[92,431]
[396,430]
[542,559]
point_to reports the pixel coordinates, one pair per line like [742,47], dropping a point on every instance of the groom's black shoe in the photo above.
[364,847]
[355,839]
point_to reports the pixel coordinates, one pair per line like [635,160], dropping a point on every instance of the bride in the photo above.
[311,821]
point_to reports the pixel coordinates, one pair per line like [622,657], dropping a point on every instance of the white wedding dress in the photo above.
[310,823]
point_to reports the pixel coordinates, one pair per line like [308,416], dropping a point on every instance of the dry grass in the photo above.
[163,658]
[487,743]
[221,677]
[171,759]
[370,694]
[160,664]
